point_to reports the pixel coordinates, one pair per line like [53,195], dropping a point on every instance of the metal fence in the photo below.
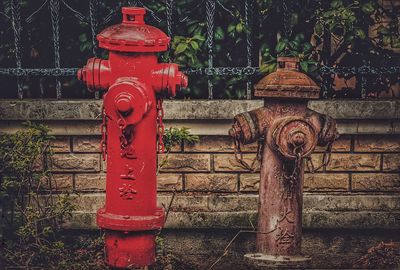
[247,69]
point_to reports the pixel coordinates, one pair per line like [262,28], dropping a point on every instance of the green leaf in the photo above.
[294,45]
[304,66]
[386,40]
[239,27]
[336,4]
[219,33]
[307,48]
[360,33]
[318,29]
[194,45]
[231,28]
[181,48]
[382,30]
[82,37]
[271,67]
[395,42]
[368,8]
[299,37]
[198,37]
[280,46]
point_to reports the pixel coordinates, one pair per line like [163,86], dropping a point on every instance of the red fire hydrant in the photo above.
[132,119]
[290,133]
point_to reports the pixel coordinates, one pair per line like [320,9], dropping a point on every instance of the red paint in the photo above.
[132,77]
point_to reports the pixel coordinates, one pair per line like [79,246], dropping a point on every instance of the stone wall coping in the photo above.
[36,109]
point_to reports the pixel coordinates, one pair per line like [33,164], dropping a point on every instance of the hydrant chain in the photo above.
[291,133]
[132,118]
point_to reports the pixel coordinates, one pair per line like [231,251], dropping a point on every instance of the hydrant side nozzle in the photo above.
[95,74]
[168,77]
[79,74]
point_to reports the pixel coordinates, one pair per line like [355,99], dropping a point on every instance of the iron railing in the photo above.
[248,69]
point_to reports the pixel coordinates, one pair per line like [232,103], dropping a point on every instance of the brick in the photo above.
[211,182]
[75,162]
[169,182]
[210,144]
[252,147]
[57,182]
[371,143]
[86,144]
[90,182]
[375,182]
[391,162]
[249,182]
[326,182]
[60,144]
[342,144]
[228,163]
[185,162]
[349,162]
[38,164]
[176,148]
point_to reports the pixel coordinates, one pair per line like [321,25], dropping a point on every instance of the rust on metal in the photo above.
[287,82]
[290,132]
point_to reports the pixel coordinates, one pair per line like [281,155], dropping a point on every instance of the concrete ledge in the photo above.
[191,109]
[203,117]
[240,211]
[358,109]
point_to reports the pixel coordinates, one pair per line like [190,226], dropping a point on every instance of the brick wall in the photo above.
[359,163]
[360,189]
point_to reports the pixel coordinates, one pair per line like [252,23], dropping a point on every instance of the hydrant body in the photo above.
[132,118]
[288,132]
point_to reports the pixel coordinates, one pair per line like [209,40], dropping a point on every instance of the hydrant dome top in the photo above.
[133,34]
[287,82]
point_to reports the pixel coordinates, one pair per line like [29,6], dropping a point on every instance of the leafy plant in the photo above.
[33,209]
[172,137]
[176,136]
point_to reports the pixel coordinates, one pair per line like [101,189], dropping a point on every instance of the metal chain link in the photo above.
[326,158]
[103,128]
[239,155]
[160,126]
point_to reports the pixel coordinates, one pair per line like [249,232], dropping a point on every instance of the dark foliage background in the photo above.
[340,32]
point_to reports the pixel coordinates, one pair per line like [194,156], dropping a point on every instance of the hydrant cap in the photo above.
[287,82]
[133,34]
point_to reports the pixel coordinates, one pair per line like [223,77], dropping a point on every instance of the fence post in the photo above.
[55,23]
[248,7]
[210,14]
[17,29]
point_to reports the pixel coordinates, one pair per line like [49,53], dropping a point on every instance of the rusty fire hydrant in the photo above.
[132,120]
[289,133]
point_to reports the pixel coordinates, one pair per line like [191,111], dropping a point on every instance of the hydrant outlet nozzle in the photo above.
[183,80]
[79,74]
